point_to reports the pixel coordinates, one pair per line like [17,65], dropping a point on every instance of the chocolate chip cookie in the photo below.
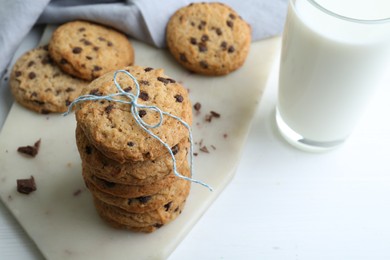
[38,84]
[208,38]
[88,50]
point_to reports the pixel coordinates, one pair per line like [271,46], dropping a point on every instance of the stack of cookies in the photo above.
[129,172]
[48,78]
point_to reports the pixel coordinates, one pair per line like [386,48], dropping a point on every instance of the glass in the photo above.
[334,57]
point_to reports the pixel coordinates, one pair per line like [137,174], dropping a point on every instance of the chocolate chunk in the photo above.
[218,31]
[204,64]
[97,68]
[63,61]
[30,150]
[109,108]
[88,57]
[168,205]
[202,25]
[215,114]
[179,98]
[163,80]
[197,106]
[175,149]
[231,49]
[193,41]
[202,47]
[45,111]
[142,113]
[77,50]
[95,48]
[46,60]
[81,29]
[67,102]
[69,89]
[144,96]
[109,44]
[101,39]
[158,225]
[128,89]
[148,69]
[131,144]
[88,149]
[26,186]
[18,73]
[144,199]
[204,38]
[31,75]
[86,42]
[232,16]
[229,23]
[143,82]
[223,45]
[30,63]
[183,57]
[95,92]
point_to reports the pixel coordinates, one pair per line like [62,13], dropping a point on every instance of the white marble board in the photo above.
[60,217]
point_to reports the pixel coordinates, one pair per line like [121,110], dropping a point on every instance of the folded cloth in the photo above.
[144,20]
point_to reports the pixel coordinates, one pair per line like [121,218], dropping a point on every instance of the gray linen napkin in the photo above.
[144,20]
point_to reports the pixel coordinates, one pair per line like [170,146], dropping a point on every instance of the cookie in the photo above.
[39,85]
[114,222]
[111,127]
[208,38]
[132,173]
[88,50]
[147,221]
[132,191]
[163,197]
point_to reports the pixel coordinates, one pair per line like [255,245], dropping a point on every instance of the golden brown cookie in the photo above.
[88,50]
[163,197]
[111,127]
[208,38]
[133,173]
[38,84]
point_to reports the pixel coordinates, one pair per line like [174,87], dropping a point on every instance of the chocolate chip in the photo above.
[109,108]
[148,69]
[67,102]
[218,31]
[232,16]
[203,64]
[142,113]
[204,38]
[223,45]
[77,50]
[131,144]
[95,48]
[39,102]
[202,47]
[101,39]
[63,61]
[95,92]
[45,111]
[231,49]
[168,205]
[81,29]
[143,82]
[197,106]
[175,149]
[86,42]
[192,24]
[229,23]
[30,63]
[31,75]
[109,44]
[88,149]
[158,225]
[144,96]
[183,57]
[177,209]
[144,199]
[128,89]
[179,98]
[108,184]
[46,60]
[26,186]
[97,68]
[18,73]
[88,57]
[202,25]
[163,80]
[193,41]
[30,150]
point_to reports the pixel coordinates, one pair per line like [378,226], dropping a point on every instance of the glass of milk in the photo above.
[335,53]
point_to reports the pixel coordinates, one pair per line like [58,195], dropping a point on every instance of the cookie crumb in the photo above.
[77,193]
[26,186]
[204,149]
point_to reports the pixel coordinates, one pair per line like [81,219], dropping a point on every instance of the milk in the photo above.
[330,67]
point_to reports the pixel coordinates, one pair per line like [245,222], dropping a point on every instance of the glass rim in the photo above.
[346,18]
